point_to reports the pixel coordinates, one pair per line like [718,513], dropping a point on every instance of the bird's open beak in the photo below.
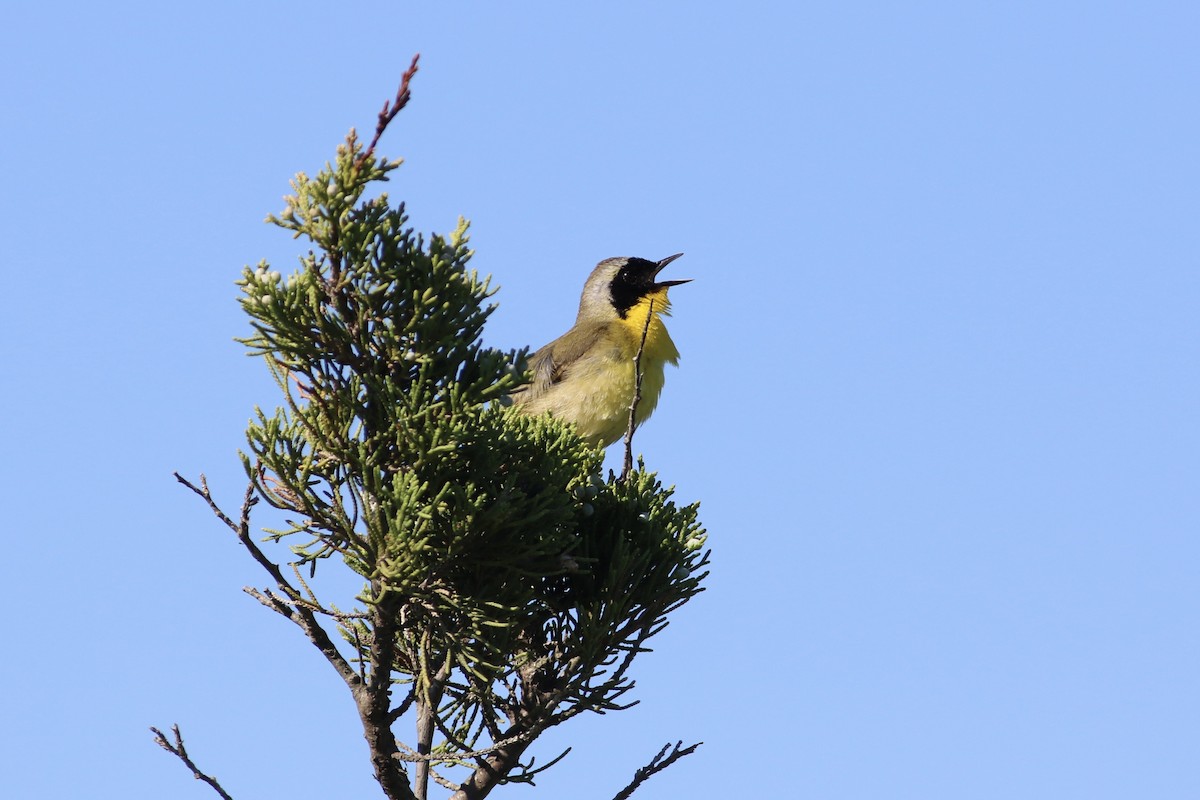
[659,268]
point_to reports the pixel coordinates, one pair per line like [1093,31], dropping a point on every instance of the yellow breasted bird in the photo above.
[586,376]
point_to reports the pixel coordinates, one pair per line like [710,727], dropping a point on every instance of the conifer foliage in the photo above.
[507,584]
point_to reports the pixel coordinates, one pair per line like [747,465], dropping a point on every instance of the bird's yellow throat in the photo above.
[659,346]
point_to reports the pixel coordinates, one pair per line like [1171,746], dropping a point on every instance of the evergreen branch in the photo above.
[656,765]
[390,110]
[491,722]
[637,394]
[465,514]
[311,601]
[629,640]
[179,751]
[415,757]
[333,613]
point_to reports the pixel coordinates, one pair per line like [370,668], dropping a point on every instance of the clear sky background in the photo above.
[938,392]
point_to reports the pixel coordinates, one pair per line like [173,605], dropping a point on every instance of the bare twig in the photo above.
[441,781]
[402,709]
[529,770]
[391,109]
[248,502]
[294,607]
[656,765]
[179,751]
[637,394]
[370,696]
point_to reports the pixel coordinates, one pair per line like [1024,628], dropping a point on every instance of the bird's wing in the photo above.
[545,373]
[551,363]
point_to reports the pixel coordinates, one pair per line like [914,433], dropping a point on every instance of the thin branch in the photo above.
[298,613]
[248,502]
[402,709]
[242,528]
[179,751]
[529,770]
[441,781]
[637,394]
[413,756]
[344,617]
[390,110]
[656,765]
[428,700]
[358,649]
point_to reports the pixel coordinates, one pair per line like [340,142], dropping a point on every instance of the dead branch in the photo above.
[294,607]
[656,765]
[179,751]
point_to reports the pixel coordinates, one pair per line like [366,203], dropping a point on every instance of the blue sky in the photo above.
[938,390]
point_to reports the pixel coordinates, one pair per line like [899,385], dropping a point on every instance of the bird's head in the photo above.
[617,285]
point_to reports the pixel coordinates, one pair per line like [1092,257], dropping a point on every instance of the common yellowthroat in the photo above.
[586,376]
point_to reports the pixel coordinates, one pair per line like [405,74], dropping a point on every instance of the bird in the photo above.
[587,376]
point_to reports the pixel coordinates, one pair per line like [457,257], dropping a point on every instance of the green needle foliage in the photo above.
[507,585]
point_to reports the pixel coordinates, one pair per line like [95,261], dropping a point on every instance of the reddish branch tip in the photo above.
[392,108]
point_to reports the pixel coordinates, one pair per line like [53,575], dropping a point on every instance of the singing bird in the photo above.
[587,375]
